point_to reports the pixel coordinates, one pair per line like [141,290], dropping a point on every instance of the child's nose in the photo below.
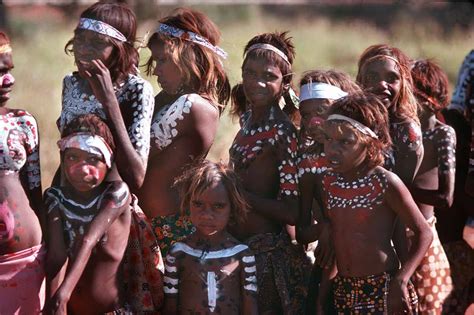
[8,80]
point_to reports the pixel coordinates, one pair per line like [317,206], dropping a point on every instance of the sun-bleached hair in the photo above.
[283,42]
[430,84]
[367,109]
[333,77]
[404,105]
[200,67]
[201,176]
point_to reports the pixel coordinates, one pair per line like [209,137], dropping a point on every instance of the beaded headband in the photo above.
[5,48]
[190,36]
[268,47]
[320,90]
[357,125]
[89,143]
[101,28]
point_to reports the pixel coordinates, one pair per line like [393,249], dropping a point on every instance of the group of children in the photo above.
[327,204]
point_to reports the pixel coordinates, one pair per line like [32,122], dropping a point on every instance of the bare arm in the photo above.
[114,204]
[131,161]
[409,154]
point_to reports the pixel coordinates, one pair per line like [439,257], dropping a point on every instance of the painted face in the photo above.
[262,81]
[343,149]
[210,210]
[169,75]
[313,115]
[382,78]
[84,170]
[6,78]
[87,46]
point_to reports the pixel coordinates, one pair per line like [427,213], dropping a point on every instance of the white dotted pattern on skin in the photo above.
[445,145]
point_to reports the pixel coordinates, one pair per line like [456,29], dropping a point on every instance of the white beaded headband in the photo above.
[5,48]
[318,90]
[268,47]
[89,143]
[357,125]
[190,36]
[101,28]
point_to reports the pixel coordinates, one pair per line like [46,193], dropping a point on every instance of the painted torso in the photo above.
[135,98]
[406,136]
[210,282]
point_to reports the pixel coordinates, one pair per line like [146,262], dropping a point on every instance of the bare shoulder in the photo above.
[118,193]
[202,108]
[443,131]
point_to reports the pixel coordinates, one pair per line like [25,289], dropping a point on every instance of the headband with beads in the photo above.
[190,36]
[101,28]
[357,125]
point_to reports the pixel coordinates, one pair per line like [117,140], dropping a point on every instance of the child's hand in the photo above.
[398,298]
[324,253]
[58,304]
[99,79]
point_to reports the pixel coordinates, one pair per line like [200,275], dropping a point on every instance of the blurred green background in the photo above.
[325,35]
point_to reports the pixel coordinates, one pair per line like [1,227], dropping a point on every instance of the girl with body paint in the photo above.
[318,90]
[22,255]
[189,68]
[363,201]
[106,84]
[90,223]
[210,272]
[263,154]
[434,184]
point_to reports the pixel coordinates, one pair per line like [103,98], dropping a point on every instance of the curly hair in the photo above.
[367,109]
[404,105]
[201,176]
[119,15]
[92,124]
[430,84]
[201,68]
[333,77]
[283,42]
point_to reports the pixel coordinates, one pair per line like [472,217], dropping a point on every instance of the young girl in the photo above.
[89,224]
[188,64]
[318,90]
[210,271]
[363,201]
[434,183]
[22,255]
[106,84]
[385,71]
[263,155]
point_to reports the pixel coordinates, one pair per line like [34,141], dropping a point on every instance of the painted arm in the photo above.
[409,153]
[248,280]
[443,196]
[133,141]
[171,285]
[114,203]
[400,201]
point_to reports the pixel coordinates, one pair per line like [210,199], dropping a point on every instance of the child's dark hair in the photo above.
[119,15]
[367,109]
[284,43]
[333,77]
[92,124]
[405,105]
[201,176]
[200,67]
[4,39]
[430,85]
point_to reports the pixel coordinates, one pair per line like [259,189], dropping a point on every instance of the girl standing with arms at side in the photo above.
[363,201]
[385,71]
[188,63]
[22,256]
[263,155]
[210,271]
[434,184]
[106,84]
